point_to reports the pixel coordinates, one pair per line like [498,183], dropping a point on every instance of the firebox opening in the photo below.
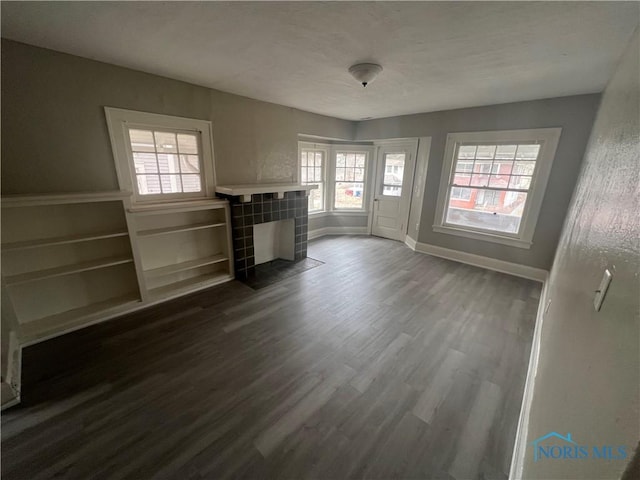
[274,240]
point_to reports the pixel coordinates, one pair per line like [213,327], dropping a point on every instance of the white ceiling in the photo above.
[436,56]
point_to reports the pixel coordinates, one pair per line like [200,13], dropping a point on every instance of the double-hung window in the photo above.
[313,163]
[493,184]
[162,158]
[349,180]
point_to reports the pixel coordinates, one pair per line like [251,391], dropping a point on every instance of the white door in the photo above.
[392,195]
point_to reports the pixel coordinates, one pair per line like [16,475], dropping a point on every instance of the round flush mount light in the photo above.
[365,73]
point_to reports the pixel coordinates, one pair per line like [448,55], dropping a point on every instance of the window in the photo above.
[493,183]
[349,180]
[340,171]
[161,158]
[165,162]
[312,162]
[393,174]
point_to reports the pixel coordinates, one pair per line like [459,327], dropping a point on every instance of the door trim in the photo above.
[419,185]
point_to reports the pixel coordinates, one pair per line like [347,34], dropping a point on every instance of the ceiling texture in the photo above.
[435,55]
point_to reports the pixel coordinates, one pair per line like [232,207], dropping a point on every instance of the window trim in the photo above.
[548,138]
[119,120]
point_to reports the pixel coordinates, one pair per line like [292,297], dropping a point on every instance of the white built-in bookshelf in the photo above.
[66,260]
[71,260]
[183,246]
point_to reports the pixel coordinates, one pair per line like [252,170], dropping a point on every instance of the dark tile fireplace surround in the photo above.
[265,207]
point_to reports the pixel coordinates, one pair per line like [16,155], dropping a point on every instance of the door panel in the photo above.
[394,177]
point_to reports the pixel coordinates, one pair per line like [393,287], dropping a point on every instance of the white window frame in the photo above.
[315,147]
[329,176]
[365,183]
[548,139]
[119,121]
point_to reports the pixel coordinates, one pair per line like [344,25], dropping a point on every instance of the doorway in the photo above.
[395,168]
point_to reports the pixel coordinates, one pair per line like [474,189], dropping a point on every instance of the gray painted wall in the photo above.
[337,220]
[574,114]
[55,136]
[5,331]
[588,376]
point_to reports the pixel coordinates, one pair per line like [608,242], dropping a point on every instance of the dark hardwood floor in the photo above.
[381,363]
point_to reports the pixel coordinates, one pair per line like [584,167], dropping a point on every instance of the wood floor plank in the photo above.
[362,381]
[268,440]
[380,363]
[393,457]
[435,393]
[475,436]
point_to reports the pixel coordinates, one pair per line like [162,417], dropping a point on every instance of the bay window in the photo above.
[341,173]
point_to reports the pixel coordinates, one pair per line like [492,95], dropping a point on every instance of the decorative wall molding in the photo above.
[321,232]
[524,271]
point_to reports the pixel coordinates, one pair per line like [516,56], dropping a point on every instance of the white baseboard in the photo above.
[321,232]
[520,446]
[410,242]
[524,271]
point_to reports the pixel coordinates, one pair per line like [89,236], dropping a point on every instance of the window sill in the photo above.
[346,213]
[486,237]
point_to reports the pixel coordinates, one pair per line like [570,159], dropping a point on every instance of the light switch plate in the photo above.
[602,289]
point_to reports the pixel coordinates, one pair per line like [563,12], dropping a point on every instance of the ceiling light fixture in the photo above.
[365,73]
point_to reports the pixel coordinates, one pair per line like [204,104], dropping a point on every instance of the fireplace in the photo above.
[272,240]
[254,211]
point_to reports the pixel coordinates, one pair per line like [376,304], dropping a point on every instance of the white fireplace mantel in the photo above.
[245,191]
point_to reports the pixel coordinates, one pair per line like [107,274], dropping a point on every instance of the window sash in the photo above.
[176,178]
[357,172]
[318,171]
[486,169]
